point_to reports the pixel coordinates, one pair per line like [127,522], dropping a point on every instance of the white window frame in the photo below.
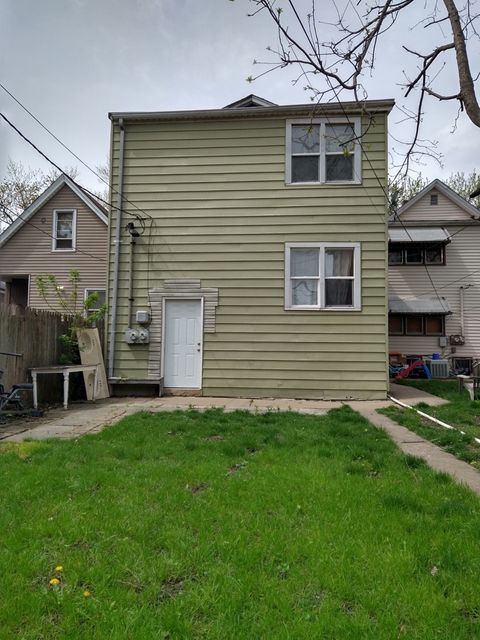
[74,229]
[88,291]
[322,122]
[322,246]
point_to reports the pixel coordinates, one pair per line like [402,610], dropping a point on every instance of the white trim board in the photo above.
[42,199]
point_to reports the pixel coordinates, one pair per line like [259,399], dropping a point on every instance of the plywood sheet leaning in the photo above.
[91,353]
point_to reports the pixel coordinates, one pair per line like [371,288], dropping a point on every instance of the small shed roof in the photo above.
[418,234]
[427,305]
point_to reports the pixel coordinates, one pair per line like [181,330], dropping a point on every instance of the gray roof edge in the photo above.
[374,106]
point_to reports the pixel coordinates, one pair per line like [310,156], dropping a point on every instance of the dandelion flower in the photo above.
[54,582]
[86,594]
[59,568]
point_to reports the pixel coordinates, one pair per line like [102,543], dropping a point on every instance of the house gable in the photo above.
[62,182]
[437,203]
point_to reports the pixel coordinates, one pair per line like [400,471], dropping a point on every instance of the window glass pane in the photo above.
[414,325]
[339,167]
[100,301]
[304,292]
[414,255]
[339,262]
[305,168]
[338,293]
[63,244]
[434,325]
[395,254]
[434,254]
[305,138]
[395,325]
[304,262]
[336,135]
[65,225]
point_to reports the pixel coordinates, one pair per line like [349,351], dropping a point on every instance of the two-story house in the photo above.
[248,252]
[64,229]
[434,277]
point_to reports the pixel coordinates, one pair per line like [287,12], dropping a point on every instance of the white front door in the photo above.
[182,347]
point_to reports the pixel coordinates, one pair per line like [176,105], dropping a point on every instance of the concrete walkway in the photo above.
[92,418]
[415,445]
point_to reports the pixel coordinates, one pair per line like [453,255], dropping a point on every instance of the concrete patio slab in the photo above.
[413,396]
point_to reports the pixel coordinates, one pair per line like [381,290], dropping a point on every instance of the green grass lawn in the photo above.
[231,526]
[461,412]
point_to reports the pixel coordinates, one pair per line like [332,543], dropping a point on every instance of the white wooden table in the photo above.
[66,370]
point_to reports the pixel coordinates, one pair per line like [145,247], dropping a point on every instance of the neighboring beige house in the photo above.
[435,237]
[63,229]
[262,271]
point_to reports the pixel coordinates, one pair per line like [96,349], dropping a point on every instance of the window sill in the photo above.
[336,183]
[63,251]
[328,309]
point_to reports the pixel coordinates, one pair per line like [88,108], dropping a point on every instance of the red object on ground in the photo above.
[414,365]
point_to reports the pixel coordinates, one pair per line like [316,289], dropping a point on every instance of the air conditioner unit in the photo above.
[438,368]
[457,340]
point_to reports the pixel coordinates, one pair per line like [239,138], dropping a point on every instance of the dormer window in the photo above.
[321,151]
[64,229]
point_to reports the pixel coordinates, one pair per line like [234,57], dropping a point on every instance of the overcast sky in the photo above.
[72,61]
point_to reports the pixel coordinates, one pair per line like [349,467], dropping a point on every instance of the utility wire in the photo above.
[45,128]
[62,172]
[383,189]
[12,215]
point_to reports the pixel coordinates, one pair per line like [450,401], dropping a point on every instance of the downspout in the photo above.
[116,262]
[462,327]
[130,282]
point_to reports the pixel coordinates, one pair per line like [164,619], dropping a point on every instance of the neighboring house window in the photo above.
[99,302]
[416,325]
[64,231]
[322,276]
[433,198]
[416,254]
[323,151]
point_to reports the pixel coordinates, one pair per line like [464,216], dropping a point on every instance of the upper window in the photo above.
[323,151]
[434,198]
[64,222]
[416,254]
[322,276]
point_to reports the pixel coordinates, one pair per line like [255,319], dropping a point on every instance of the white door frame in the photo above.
[162,356]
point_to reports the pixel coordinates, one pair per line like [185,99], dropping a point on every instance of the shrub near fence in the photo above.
[34,334]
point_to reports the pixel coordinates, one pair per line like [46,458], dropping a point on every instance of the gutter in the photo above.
[116,260]
[351,107]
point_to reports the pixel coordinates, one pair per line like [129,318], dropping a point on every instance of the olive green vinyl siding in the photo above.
[29,251]
[222,214]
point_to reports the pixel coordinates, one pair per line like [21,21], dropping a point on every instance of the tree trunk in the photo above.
[467,89]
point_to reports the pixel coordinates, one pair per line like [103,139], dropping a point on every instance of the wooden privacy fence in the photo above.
[34,334]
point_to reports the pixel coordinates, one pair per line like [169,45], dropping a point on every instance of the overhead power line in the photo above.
[77,157]
[62,172]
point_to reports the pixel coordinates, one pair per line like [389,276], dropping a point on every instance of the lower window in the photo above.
[322,276]
[416,325]
[98,302]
